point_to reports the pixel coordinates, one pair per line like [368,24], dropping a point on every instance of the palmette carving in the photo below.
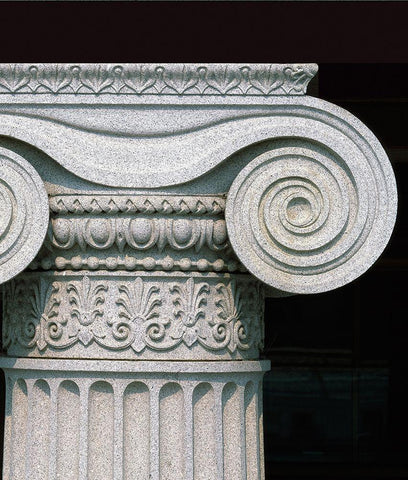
[189,323]
[86,301]
[233,327]
[138,324]
[35,323]
[140,314]
[156,79]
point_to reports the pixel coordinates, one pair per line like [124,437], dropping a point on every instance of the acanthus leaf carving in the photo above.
[53,78]
[266,80]
[32,324]
[138,79]
[223,79]
[97,78]
[181,81]
[36,324]
[231,327]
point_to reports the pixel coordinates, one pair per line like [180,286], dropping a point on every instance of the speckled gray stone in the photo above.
[24,214]
[180,195]
[193,420]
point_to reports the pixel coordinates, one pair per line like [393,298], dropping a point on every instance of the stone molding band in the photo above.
[183,205]
[137,232]
[133,316]
[156,79]
[129,367]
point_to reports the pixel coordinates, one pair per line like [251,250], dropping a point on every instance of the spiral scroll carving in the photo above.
[23,214]
[305,219]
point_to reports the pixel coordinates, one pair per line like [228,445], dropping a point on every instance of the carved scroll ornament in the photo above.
[316,209]
[23,214]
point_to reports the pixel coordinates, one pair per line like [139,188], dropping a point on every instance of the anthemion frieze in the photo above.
[146,210]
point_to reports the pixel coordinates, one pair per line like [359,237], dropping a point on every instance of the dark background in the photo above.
[336,399]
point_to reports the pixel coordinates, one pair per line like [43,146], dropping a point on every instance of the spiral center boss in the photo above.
[301,216]
[298,210]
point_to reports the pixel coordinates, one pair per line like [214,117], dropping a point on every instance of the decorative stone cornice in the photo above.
[156,79]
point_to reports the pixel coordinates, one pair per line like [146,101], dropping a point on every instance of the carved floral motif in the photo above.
[32,324]
[231,327]
[138,324]
[150,79]
[138,314]
[189,323]
[86,300]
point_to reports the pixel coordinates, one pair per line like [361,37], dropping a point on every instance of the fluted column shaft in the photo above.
[90,420]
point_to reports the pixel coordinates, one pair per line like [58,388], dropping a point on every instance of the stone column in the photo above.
[146,212]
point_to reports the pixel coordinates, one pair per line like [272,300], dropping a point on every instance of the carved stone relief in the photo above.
[168,200]
[23,214]
[128,316]
[161,79]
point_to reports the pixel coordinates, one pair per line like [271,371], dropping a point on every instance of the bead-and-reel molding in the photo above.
[308,216]
[24,213]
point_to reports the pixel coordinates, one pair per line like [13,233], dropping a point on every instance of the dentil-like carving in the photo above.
[148,205]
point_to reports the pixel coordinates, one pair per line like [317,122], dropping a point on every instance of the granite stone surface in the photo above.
[145,213]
